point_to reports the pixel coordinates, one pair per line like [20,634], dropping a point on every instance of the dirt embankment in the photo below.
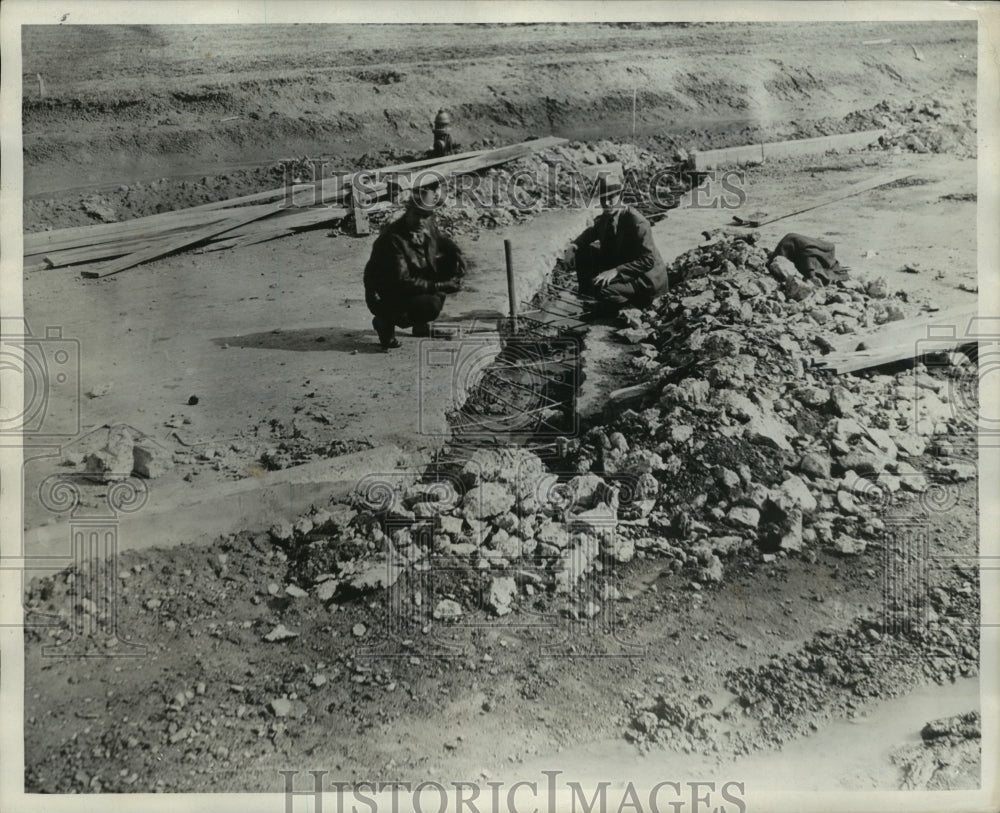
[215,109]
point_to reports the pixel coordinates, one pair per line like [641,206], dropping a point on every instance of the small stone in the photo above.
[281,706]
[744,516]
[295,591]
[193,400]
[503,591]
[318,680]
[359,630]
[848,546]
[447,609]
[815,465]
[878,288]
[326,590]
[681,433]
[280,633]
[153,604]
[843,401]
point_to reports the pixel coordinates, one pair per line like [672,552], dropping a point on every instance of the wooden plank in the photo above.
[490,159]
[168,247]
[337,184]
[916,328]
[850,192]
[839,363]
[358,206]
[79,236]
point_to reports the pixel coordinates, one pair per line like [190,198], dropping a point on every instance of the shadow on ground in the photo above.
[330,339]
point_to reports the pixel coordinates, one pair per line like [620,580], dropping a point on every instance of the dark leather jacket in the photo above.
[629,249]
[406,263]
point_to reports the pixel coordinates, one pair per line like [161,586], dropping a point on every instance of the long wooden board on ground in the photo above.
[931,333]
[825,200]
[163,248]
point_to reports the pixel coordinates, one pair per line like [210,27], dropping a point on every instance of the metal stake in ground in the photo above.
[511,293]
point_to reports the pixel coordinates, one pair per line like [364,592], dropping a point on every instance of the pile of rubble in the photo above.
[117,452]
[747,441]
[931,125]
[499,523]
[560,178]
[742,447]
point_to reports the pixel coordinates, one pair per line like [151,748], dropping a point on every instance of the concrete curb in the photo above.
[253,504]
[758,153]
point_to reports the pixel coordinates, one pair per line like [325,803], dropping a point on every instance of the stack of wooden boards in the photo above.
[109,248]
[939,332]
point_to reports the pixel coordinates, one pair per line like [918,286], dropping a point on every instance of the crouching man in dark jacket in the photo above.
[411,269]
[616,261]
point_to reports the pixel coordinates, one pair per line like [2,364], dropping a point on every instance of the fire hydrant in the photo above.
[442,134]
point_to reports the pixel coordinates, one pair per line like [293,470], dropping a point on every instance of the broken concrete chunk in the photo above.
[280,633]
[115,460]
[795,489]
[744,516]
[848,546]
[447,609]
[150,459]
[488,500]
[503,591]
[815,465]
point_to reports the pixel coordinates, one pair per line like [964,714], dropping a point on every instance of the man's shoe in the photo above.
[386,331]
[422,330]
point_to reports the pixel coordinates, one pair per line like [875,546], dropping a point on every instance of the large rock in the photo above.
[812,396]
[783,269]
[843,401]
[552,533]
[488,500]
[862,461]
[584,489]
[622,549]
[601,521]
[768,429]
[115,461]
[447,609]
[815,465]
[376,576]
[797,492]
[150,459]
[848,546]
[743,516]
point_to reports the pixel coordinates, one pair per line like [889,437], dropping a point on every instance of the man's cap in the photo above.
[426,199]
[608,178]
